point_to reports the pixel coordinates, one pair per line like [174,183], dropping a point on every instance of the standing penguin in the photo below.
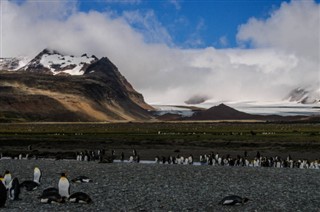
[14,189]
[3,192]
[122,157]
[64,186]
[37,175]
[7,178]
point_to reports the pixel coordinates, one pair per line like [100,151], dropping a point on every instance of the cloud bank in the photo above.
[284,53]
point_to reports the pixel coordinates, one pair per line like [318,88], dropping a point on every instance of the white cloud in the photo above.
[147,24]
[194,40]
[295,27]
[166,74]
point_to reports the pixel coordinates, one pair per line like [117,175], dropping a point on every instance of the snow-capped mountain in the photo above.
[304,96]
[12,64]
[53,62]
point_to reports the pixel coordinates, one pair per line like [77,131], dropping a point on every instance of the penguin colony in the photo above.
[213,159]
[10,189]
[245,161]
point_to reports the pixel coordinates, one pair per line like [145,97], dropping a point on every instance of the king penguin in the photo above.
[51,197]
[37,175]
[81,179]
[80,197]
[49,191]
[7,178]
[14,189]
[3,192]
[233,200]
[64,186]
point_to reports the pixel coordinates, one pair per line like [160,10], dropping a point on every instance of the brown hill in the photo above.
[224,112]
[100,94]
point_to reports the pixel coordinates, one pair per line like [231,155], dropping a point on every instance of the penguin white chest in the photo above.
[7,179]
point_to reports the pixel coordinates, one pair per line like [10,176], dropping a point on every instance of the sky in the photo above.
[171,50]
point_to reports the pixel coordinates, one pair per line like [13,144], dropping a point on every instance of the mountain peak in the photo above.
[222,108]
[304,95]
[221,112]
[49,52]
[53,62]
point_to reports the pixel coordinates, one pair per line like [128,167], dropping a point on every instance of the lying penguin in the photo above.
[80,197]
[51,197]
[233,200]
[81,179]
[50,190]
[14,189]
[31,185]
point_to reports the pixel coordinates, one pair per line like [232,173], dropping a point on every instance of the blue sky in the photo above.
[192,23]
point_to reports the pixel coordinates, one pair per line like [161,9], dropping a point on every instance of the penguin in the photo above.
[233,200]
[29,185]
[80,197]
[64,186]
[134,152]
[37,175]
[7,178]
[3,192]
[156,159]
[32,185]
[48,191]
[14,189]
[81,179]
[190,159]
[122,156]
[51,197]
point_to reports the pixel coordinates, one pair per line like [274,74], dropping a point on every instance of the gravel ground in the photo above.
[157,187]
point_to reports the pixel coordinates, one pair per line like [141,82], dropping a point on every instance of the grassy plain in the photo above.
[165,138]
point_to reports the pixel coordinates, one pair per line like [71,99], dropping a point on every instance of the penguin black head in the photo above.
[6,172]
[63,174]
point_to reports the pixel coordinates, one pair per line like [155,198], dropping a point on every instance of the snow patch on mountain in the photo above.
[68,64]
[13,64]
[304,95]
[168,109]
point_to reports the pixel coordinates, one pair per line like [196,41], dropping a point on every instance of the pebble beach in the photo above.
[162,187]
